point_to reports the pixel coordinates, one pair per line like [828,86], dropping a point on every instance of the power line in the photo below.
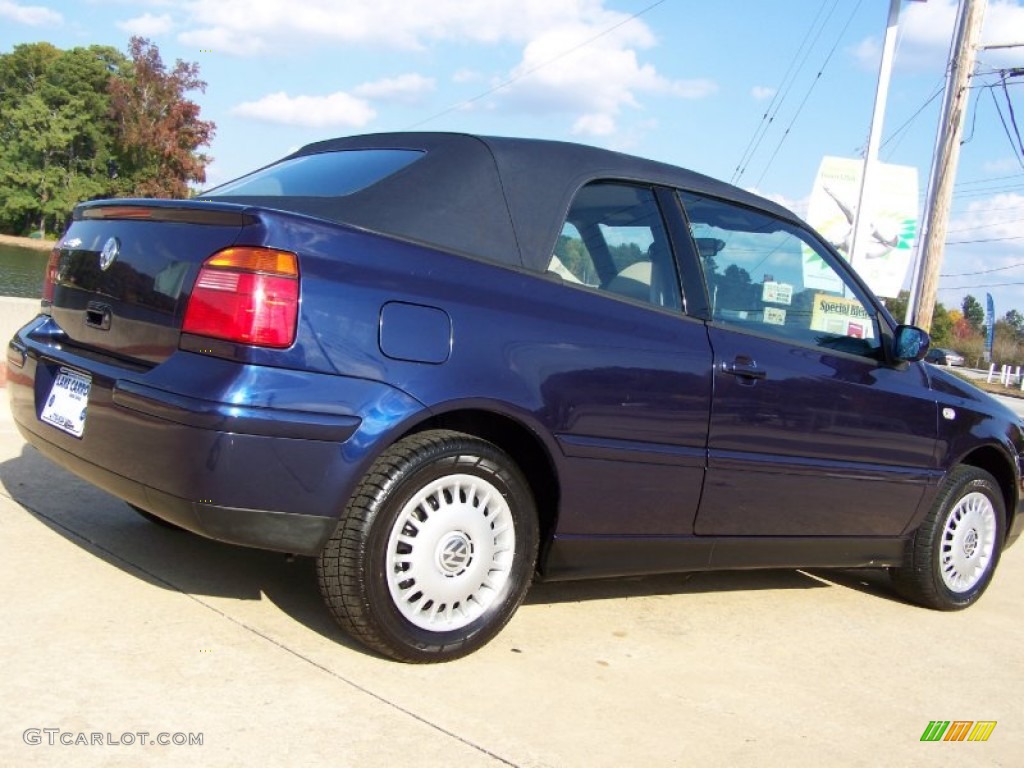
[807,95]
[985,226]
[982,285]
[986,271]
[909,120]
[990,191]
[986,191]
[1013,117]
[779,97]
[1018,156]
[1018,207]
[990,179]
[984,240]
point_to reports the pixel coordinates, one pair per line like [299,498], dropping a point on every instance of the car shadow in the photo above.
[180,561]
[169,558]
[542,593]
[870,581]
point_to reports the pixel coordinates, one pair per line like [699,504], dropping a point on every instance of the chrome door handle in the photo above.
[745,369]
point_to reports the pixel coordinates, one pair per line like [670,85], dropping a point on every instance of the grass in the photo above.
[995,388]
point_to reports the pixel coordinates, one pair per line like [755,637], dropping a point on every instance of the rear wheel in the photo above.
[950,560]
[435,550]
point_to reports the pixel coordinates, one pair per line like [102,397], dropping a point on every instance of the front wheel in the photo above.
[435,550]
[950,559]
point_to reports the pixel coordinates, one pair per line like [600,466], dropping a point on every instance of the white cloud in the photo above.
[868,52]
[406,89]
[224,40]
[598,124]
[147,25]
[578,57]
[926,31]
[631,136]
[985,267]
[339,109]
[392,23]
[1004,23]
[762,92]
[575,69]
[993,219]
[929,24]
[334,110]
[1008,164]
[32,15]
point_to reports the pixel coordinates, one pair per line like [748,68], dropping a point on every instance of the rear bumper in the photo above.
[264,529]
[233,468]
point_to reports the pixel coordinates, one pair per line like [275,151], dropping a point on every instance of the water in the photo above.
[21,271]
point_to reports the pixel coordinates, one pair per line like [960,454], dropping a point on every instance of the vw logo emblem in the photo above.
[111,249]
[454,554]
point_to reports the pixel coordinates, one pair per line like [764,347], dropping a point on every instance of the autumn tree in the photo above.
[973,312]
[158,130]
[942,326]
[90,122]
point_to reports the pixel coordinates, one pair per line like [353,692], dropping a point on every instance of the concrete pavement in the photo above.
[115,626]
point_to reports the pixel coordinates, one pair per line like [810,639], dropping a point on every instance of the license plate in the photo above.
[66,404]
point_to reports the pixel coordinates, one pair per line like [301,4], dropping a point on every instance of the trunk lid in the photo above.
[126,268]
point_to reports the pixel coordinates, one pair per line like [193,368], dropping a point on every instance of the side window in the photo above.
[614,240]
[769,276]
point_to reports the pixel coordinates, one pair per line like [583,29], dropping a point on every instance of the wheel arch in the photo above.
[996,463]
[525,447]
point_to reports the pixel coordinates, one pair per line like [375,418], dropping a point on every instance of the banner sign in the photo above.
[990,326]
[887,233]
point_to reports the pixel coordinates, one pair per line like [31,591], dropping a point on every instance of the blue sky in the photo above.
[678,80]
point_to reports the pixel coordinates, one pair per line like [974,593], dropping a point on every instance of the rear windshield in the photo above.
[328,174]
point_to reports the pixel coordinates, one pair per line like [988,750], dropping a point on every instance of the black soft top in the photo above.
[501,199]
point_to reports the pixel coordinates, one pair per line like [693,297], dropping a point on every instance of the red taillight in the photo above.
[248,295]
[50,278]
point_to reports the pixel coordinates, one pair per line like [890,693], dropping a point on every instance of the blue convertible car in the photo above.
[445,364]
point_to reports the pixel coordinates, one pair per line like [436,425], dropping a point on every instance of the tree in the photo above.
[1015,320]
[943,320]
[1006,349]
[942,326]
[898,306]
[973,312]
[89,122]
[158,130]
[55,141]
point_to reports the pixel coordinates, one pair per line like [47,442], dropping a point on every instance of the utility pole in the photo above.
[970,16]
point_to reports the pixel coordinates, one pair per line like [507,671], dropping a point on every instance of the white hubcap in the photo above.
[450,552]
[968,541]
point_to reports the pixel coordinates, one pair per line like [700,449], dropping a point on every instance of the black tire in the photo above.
[156,520]
[951,557]
[419,568]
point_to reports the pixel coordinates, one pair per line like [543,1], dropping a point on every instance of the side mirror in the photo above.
[910,344]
